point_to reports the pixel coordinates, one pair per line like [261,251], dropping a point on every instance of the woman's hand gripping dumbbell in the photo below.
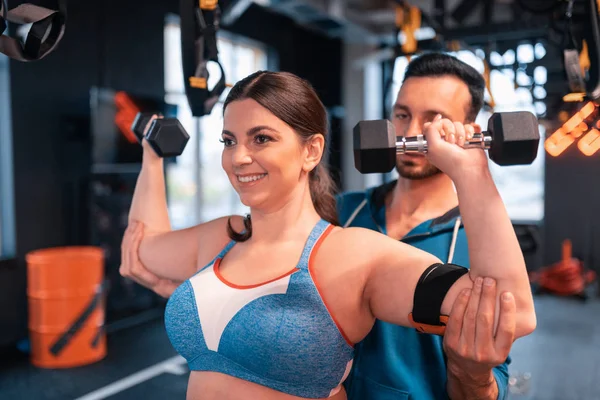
[166,136]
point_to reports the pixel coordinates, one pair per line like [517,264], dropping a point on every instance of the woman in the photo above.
[271,306]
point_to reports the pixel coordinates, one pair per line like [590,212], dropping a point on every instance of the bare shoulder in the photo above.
[361,247]
[350,248]
[362,240]
[356,233]
[213,236]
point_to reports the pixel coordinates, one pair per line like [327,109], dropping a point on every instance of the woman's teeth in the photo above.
[251,178]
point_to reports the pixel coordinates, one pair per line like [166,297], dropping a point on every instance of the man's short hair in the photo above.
[440,64]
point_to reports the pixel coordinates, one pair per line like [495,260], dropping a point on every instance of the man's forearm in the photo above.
[468,388]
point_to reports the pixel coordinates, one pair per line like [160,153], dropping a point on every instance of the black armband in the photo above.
[430,292]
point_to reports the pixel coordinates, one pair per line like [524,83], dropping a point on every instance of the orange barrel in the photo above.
[66,306]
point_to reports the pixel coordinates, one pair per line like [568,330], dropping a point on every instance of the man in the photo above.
[421,208]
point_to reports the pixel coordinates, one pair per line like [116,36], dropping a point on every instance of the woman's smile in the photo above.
[249,179]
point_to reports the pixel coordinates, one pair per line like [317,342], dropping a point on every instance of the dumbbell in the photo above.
[512,138]
[166,136]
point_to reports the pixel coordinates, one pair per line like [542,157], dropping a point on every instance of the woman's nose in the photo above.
[241,155]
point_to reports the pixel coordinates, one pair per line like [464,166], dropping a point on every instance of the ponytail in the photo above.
[322,191]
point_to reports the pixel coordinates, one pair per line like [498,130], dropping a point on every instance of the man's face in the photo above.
[419,100]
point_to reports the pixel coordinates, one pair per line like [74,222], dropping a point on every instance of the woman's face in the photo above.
[264,158]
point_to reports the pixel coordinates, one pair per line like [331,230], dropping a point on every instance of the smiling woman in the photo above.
[252,158]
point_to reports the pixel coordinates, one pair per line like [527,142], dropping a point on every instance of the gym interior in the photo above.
[69,162]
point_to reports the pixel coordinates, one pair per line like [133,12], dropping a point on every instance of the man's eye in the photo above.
[400,116]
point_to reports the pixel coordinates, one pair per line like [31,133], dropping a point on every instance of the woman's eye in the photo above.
[261,139]
[401,116]
[226,142]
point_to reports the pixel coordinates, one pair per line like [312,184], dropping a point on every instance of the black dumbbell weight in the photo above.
[166,136]
[512,138]
[141,123]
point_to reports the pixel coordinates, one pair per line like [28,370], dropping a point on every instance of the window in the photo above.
[197,187]
[7,231]
[521,186]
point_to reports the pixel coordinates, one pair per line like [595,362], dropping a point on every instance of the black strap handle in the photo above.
[47,30]
[3,8]
[199,27]
[592,37]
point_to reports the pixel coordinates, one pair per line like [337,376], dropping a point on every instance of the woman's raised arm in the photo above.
[169,254]
[494,251]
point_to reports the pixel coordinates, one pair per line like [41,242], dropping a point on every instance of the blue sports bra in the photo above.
[278,334]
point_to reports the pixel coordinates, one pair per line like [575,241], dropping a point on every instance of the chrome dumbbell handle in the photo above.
[418,144]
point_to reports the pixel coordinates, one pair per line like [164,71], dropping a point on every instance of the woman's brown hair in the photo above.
[294,101]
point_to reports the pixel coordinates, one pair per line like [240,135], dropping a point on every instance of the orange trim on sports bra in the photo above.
[235,286]
[310,263]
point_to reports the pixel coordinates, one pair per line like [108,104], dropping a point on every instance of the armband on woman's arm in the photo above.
[430,292]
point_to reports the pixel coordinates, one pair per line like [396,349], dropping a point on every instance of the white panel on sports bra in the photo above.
[218,303]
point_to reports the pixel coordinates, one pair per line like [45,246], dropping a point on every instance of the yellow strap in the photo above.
[208,4]
[454,45]
[198,83]
[486,75]
[584,58]
[409,28]
[400,16]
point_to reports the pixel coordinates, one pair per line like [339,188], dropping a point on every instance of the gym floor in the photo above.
[559,361]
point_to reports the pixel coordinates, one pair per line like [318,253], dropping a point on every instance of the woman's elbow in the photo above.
[526,323]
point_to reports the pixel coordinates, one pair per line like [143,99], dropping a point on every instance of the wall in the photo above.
[95,50]
[44,93]
[308,55]
[118,45]
[572,206]
[304,53]
[363,100]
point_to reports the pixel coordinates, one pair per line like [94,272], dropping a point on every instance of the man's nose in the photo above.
[414,128]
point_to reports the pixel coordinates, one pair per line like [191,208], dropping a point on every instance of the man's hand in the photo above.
[132,267]
[471,346]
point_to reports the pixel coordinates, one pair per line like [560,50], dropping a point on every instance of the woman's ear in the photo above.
[313,151]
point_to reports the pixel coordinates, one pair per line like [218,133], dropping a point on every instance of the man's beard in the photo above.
[409,170]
